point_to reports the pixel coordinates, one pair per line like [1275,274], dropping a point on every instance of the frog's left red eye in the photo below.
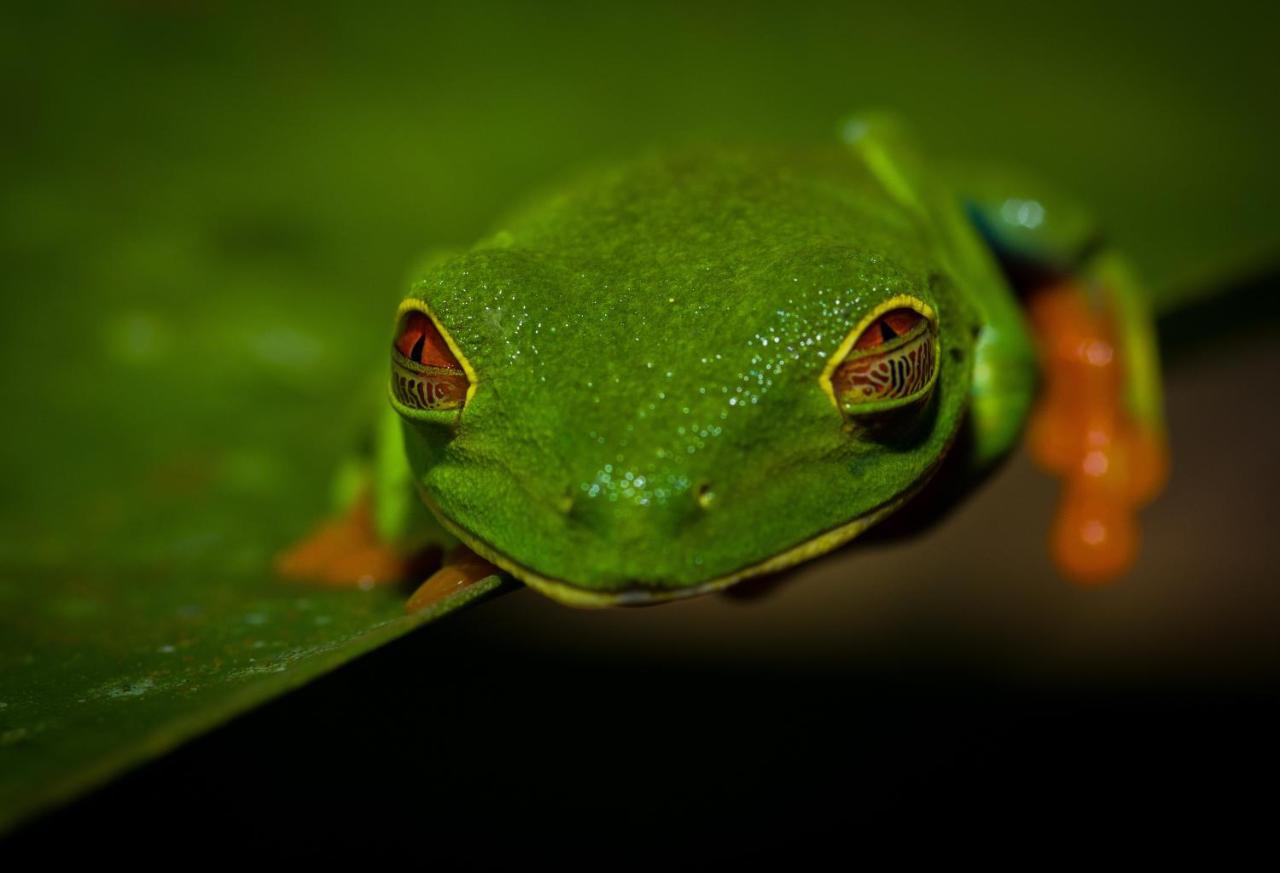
[892,362]
[425,373]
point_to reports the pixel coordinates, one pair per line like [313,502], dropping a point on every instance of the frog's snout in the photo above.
[636,518]
[569,502]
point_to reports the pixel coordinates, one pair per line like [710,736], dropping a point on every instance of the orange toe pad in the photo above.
[461,568]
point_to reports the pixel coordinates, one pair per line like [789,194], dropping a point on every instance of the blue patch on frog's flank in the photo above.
[1012,247]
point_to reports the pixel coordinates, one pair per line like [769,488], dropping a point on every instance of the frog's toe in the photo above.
[462,568]
[1094,538]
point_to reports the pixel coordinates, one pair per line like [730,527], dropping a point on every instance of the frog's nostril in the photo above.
[706,495]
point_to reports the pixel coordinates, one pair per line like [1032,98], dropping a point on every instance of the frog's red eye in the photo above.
[421,341]
[892,362]
[425,373]
[888,327]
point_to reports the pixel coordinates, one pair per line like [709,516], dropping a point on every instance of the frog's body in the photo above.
[663,379]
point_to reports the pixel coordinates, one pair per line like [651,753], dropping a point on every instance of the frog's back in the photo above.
[718,214]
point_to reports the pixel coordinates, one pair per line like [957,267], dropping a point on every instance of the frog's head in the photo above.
[679,377]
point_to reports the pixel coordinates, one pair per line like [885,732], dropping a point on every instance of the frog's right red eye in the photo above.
[425,373]
[888,327]
[421,342]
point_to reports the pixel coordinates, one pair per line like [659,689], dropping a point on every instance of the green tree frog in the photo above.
[704,366]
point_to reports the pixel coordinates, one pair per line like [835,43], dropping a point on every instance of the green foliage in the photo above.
[105,669]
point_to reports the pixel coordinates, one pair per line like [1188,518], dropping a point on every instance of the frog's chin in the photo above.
[640,595]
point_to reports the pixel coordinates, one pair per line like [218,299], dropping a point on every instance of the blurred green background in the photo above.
[207,213]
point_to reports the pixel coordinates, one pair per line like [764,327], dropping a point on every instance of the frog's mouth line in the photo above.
[573,595]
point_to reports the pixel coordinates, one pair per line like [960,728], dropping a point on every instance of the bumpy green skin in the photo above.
[648,345]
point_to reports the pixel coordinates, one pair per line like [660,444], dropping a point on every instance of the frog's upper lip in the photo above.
[642,594]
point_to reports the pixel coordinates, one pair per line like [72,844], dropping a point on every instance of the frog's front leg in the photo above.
[1098,423]
[346,551]
[382,534]
[375,537]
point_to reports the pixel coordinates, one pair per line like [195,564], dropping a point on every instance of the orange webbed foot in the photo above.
[1111,464]
[346,552]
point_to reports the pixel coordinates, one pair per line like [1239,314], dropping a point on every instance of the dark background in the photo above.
[218,167]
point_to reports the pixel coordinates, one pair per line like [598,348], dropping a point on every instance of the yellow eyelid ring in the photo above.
[927,344]
[442,373]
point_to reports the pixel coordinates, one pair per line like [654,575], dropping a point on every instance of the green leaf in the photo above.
[105,670]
